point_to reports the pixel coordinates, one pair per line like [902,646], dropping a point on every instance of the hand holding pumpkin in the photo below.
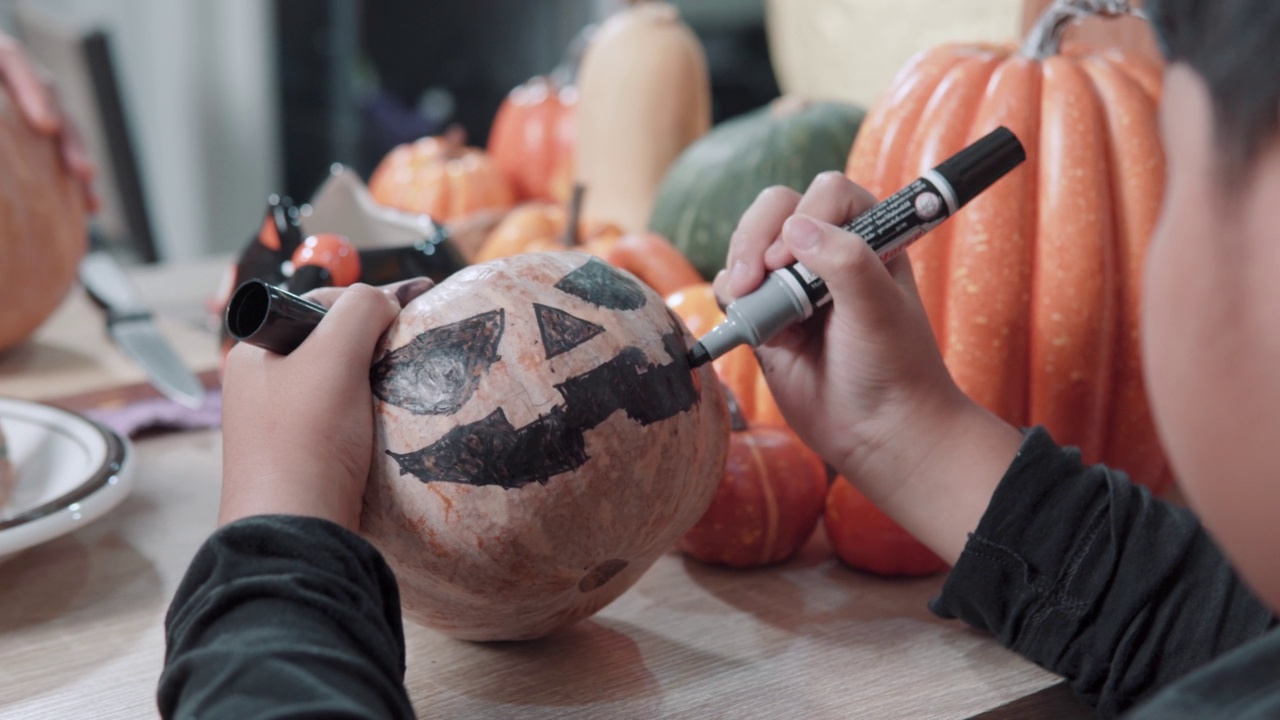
[864,384]
[38,106]
[291,442]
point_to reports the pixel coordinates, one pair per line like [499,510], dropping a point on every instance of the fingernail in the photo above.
[739,273]
[801,233]
[411,289]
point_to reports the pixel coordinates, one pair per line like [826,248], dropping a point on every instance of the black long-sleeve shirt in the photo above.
[1087,575]
[1071,566]
[285,617]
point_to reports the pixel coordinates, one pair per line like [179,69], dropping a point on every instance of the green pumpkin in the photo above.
[716,178]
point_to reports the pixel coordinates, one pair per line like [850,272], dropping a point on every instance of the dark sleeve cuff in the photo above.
[288,617]
[1089,576]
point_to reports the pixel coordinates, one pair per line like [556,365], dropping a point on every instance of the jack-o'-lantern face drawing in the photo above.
[542,439]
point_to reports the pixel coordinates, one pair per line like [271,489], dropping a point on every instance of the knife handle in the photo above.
[270,317]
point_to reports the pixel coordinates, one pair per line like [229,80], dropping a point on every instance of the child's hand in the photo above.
[298,430]
[863,383]
[39,108]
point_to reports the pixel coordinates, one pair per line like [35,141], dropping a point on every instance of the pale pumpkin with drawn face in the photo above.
[541,440]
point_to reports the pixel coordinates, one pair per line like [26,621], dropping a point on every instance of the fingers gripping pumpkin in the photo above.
[541,441]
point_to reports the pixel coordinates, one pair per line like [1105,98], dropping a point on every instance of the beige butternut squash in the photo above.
[644,94]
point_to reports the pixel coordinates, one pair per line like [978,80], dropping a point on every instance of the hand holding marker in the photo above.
[793,293]
[269,317]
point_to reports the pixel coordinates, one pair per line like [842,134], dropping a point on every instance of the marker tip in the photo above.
[698,356]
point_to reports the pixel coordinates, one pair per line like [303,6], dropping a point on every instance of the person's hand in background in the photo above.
[298,429]
[38,105]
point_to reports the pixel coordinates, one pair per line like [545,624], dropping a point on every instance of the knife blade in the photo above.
[132,328]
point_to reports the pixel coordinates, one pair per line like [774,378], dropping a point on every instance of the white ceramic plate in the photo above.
[70,472]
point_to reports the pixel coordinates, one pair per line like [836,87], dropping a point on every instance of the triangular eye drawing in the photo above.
[600,284]
[439,370]
[562,331]
[491,451]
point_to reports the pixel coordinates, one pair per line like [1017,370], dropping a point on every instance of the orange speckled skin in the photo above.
[481,562]
[42,227]
[1032,290]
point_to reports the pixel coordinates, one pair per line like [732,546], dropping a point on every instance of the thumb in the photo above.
[856,278]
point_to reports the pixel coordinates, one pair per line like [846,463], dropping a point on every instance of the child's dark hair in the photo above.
[1234,46]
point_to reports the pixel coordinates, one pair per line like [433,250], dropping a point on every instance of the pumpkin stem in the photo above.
[566,73]
[1045,39]
[570,237]
[737,421]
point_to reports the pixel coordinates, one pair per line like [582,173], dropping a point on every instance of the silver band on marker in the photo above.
[797,289]
[944,187]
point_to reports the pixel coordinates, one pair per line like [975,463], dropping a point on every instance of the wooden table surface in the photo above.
[81,616]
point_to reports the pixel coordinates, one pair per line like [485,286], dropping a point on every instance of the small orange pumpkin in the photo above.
[771,495]
[541,441]
[1130,33]
[1033,289]
[42,227]
[441,177]
[867,539]
[541,227]
[532,138]
[738,369]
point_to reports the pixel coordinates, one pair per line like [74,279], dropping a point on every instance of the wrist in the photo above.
[935,468]
[281,495]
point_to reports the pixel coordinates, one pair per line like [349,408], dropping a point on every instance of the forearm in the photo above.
[286,617]
[936,472]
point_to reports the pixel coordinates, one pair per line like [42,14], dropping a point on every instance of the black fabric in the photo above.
[1242,685]
[1089,576]
[285,617]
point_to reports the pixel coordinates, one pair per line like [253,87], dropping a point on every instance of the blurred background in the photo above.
[223,103]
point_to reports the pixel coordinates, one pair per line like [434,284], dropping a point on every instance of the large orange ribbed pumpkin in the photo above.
[541,441]
[1033,289]
[42,227]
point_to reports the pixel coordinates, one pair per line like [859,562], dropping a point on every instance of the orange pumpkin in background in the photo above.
[867,539]
[1032,290]
[532,137]
[441,177]
[42,226]
[769,501]
[542,227]
[738,369]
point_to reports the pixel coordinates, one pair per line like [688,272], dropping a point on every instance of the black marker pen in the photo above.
[793,293]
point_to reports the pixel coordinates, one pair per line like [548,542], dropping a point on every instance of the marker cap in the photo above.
[979,165]
[262,314]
